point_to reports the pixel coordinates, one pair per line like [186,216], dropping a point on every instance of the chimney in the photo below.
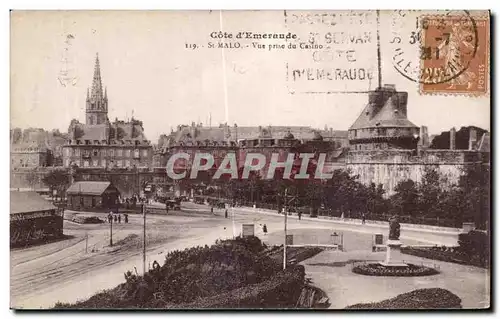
[424,137]
[472,138]
[453,136]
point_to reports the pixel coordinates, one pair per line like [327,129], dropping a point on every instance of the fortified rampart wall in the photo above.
[389,167]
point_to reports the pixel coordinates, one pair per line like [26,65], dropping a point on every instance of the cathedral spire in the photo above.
[97,93]
[97,101]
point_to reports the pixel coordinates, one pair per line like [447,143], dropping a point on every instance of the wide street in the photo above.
[84,264]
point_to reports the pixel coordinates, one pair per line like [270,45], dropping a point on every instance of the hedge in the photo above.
[281,291]
[429,298]
[410,270]
[473,249]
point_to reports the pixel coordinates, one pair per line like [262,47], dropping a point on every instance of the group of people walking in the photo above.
[117,217]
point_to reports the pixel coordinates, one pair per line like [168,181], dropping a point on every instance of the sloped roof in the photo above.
[88,188]
[28,202]
[385,117]
[218,134]
[334,133]
[128,131]
[94,132]
[383,111]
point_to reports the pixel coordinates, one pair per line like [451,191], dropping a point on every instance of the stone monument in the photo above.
[393,254]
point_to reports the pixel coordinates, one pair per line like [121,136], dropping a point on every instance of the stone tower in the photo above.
[96,111]
[384,124]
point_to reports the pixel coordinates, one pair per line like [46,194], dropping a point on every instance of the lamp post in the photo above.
[144,241]
[111,231]
[284,243]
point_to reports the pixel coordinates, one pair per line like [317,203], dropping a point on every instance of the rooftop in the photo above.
[28,202]
[386,108]
[88,188]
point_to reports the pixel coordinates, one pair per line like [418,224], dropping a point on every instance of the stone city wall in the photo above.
[391,167]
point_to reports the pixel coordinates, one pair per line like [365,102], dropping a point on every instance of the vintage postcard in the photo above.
[250,159]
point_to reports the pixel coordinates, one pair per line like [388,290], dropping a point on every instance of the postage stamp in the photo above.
[454,55]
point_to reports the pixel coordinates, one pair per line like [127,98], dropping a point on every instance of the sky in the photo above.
[151,74]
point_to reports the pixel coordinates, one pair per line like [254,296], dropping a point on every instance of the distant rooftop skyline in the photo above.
[149,73]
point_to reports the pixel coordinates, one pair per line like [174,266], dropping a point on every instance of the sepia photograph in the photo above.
[250,159]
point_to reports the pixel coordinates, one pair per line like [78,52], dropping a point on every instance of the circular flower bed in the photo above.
[410,270]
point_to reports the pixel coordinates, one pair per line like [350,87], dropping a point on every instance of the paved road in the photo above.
[43,275]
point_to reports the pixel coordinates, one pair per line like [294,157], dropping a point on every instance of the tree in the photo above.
[430,193]
[472,195]
[57,180]
[406,198]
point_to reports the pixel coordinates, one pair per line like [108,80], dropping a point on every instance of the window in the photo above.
[103,163]
[96,152]
[95,163]
[127,153]
[67,163]
[145,153]
[85,163]
[119,163]
[127,163]
[111,152]
[119,152]
[77,152]
[136,153]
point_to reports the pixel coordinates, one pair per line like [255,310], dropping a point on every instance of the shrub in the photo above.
[191,274]
[476,246]
[411,270]
[474,250]
[429,298]
[280,291]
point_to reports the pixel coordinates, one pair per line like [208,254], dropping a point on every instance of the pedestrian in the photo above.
[115,218]
[264,229]
[126,218]
[225,214]
[119,218]
[300,214]
[212,209]
[363,218]
[110,217]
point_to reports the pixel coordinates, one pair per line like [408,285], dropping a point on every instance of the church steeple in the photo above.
[97,94]
[97,102]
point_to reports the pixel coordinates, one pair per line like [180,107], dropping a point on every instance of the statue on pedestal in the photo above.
[394,228]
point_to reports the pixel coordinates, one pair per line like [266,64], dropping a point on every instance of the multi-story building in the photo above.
[219,140]
[99,143]
[29,155]
[31,148]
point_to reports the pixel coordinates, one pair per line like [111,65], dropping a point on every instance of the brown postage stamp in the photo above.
[455,55]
